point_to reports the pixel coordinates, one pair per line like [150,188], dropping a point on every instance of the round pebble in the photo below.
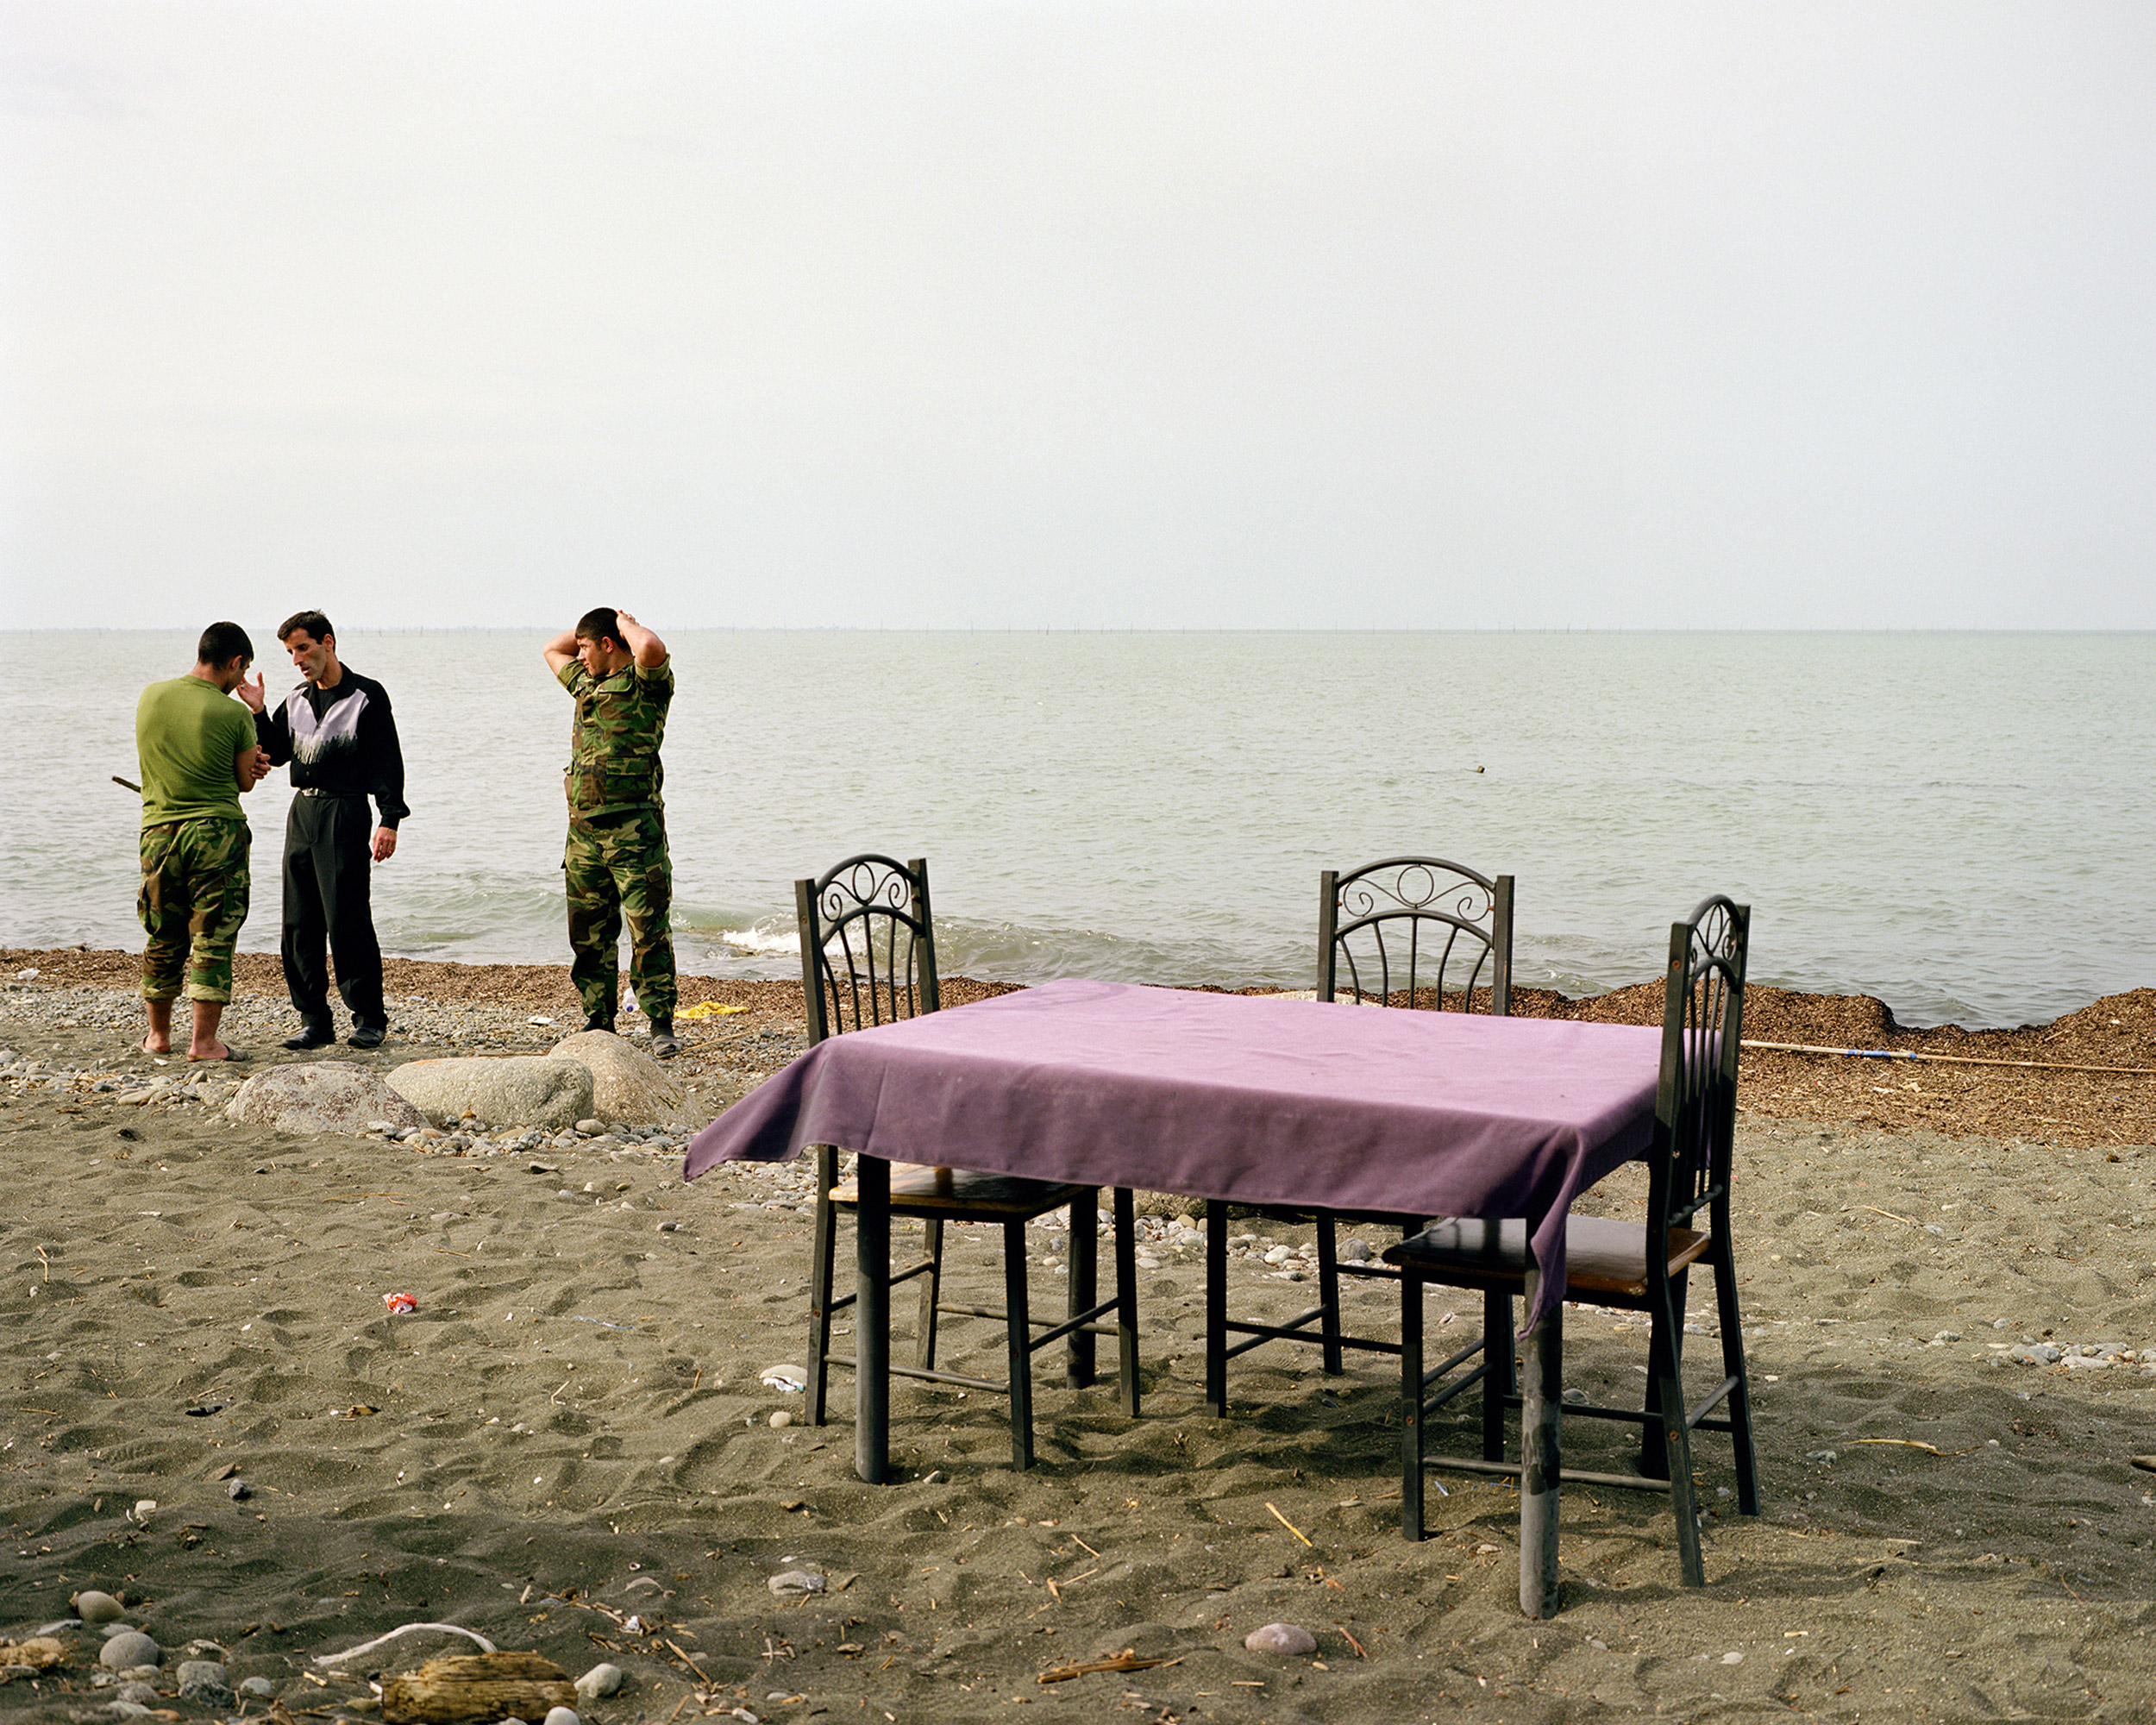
[590,1128]
[129,1649]
[258,1686]
[142,1694]
[782,1420]
[563,1716]
[601,1680]
[93,1607]
[1281,1638]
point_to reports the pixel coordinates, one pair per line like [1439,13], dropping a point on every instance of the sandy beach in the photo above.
[568,1446]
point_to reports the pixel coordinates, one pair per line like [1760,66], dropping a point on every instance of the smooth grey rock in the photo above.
[794,1583]
[1281,1638]
[1354,1252]
[512,1090]
[239,1491]
[142,1694]
[127,1709]
[629,1088]
[202,1671]
[563,1716]
[93,1607]
[321,1095]
[129,1649]
[601,1680]
[258,1686]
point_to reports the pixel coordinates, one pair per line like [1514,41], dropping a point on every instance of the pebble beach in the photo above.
[581,1436]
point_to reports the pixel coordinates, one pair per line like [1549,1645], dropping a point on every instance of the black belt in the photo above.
[335,796]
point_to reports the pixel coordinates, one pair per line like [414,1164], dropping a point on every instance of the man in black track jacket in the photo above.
[337,732]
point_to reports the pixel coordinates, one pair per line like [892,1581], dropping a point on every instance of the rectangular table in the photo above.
[1250,1100]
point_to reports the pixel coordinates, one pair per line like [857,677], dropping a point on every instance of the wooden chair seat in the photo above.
[1603,1257]
[954,1194]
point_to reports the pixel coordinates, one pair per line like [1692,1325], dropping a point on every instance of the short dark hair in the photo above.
[222,643]
[599,623]
[313,621]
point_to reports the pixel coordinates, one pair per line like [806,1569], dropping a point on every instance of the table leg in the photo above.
[871,1319]
[1541,1400]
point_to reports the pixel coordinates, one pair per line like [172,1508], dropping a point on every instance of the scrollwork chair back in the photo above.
[868,945]
[1416,931]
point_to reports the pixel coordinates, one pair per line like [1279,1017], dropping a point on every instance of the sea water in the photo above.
[1958,823]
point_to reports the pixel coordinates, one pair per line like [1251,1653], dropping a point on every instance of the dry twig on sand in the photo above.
[1127,1660]
[1913,1444]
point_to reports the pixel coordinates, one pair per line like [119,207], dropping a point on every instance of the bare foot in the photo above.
[157,1045]
[218,1051]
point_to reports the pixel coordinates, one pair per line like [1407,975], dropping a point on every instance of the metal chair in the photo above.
[1634,1266]
[868,957]
[1410,931]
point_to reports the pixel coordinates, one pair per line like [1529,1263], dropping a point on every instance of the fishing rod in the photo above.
[1947,1059]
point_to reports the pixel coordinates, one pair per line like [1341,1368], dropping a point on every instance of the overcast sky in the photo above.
[1063,313]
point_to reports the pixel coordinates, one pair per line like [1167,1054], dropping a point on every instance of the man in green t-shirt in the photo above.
[197,752]
[615,861]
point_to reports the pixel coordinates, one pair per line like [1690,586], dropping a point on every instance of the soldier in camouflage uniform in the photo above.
[197,754]
[616,862]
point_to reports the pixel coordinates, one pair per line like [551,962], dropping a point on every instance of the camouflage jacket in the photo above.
[614,742]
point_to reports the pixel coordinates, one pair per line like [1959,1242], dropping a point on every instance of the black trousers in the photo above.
[328,858]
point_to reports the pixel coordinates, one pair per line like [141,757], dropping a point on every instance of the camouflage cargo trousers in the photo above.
[615,867]
[193,899]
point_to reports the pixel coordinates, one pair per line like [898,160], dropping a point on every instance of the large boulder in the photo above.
[629,1088]
[503,1090]
[321,1095]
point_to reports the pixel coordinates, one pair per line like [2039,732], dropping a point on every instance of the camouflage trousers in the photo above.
[615,867]
[193,899]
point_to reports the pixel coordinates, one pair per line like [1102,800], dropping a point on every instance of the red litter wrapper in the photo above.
[399,1304]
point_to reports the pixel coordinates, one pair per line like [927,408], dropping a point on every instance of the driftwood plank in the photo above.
[477,1686]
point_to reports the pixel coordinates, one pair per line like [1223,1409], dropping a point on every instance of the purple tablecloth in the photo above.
[1252,1100]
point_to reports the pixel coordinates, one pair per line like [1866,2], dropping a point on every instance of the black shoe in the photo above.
[367,1036]
[664,1044]
[595,1022]
[313,1036]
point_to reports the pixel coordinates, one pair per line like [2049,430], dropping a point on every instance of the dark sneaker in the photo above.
[367,1036]
[664,1044]
[595,1022]
[312,1036]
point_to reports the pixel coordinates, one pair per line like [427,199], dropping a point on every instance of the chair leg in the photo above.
[931,1292]
[1019,1331]
[1500,1370]
[1734,1366]
[1216,1308]
[1084,1284]
[1126,1237]
[1666,1355]
[820,1258]
[1329,1295]
[1670,1393]
[1410,1406]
